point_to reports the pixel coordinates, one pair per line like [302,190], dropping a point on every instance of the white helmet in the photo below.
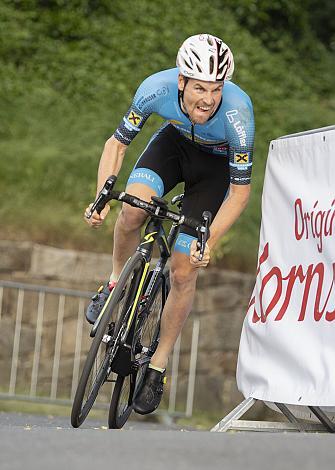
[205,57]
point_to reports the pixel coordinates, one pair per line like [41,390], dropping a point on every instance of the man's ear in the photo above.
[181,82]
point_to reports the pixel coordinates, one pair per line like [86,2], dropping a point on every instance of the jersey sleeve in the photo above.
[145,102]
[240,131]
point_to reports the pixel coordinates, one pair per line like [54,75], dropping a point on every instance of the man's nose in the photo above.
[208,98]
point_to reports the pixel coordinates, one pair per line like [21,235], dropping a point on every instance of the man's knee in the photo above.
[131,218]
[183,274]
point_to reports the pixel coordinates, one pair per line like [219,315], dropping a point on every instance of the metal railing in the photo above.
[46,339]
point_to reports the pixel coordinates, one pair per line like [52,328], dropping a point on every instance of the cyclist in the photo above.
[207,143]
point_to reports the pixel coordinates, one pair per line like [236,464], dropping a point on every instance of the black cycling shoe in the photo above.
[150,395]
[97,303]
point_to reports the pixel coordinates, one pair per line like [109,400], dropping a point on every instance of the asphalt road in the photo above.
[33,442]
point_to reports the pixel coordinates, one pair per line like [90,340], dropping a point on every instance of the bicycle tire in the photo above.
[123,291]
[126,387]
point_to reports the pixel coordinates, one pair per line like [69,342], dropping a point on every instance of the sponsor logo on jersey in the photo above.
[144,100]
[162,91]
[230,115]
[239,128]
[134,118]
[241,158]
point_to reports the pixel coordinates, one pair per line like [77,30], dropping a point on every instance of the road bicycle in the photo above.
[126,332]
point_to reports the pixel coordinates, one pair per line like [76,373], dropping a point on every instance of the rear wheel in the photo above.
[112,326]
[144,344]
[122,398]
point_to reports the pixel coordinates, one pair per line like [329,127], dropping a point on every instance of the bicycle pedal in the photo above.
[143,299]
[106,339]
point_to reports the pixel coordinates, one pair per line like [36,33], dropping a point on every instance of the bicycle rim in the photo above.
[122,399]
[104,346]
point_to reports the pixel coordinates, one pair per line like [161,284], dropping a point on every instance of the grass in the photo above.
[45,409]
[199,421]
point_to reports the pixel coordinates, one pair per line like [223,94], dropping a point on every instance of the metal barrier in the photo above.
[44,341]
[232,421]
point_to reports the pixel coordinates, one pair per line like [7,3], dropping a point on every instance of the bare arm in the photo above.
[110,164]
[229,212]
[111,160]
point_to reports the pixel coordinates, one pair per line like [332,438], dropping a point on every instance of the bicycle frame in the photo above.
[155,232]
[124,362]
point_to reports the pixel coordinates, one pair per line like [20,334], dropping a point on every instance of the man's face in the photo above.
[201,99]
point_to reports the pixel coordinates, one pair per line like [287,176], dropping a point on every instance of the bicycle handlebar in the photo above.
[107,194]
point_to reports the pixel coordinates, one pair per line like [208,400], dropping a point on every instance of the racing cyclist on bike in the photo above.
[207,143]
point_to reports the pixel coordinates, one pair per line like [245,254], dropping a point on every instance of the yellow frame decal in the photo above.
[149,238]
[146,267]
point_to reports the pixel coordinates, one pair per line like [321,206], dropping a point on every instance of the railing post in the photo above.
[16,343]
[174,376]
[38,338]
[58,344]
[193,365]
[1,298]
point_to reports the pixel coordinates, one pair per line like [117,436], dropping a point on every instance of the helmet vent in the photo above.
[199,69]
[209,40]
[211,64]
[222,54]
[196,55]
[187,64]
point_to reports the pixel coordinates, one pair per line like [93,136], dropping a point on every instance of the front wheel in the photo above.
[107,338]
[145,341]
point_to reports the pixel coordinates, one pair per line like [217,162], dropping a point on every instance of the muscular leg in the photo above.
[128,228]
[177,308]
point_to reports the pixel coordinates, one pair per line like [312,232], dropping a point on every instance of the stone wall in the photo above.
[220,304]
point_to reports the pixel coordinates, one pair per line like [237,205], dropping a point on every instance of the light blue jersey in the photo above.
[229,131]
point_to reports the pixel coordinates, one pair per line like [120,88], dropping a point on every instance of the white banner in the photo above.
[287,348]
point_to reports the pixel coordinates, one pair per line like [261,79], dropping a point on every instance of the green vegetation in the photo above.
[11,406]
[69,69]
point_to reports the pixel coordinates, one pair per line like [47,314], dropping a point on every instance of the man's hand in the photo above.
[194,255]
[96,220]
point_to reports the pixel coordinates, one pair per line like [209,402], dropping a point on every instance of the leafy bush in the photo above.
[69,70]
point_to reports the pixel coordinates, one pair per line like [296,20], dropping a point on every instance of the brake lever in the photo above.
[103,197]
[204,233]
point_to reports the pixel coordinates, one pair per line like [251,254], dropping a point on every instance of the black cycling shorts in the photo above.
[169,159]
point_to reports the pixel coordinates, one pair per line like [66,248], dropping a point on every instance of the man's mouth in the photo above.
[204,109]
